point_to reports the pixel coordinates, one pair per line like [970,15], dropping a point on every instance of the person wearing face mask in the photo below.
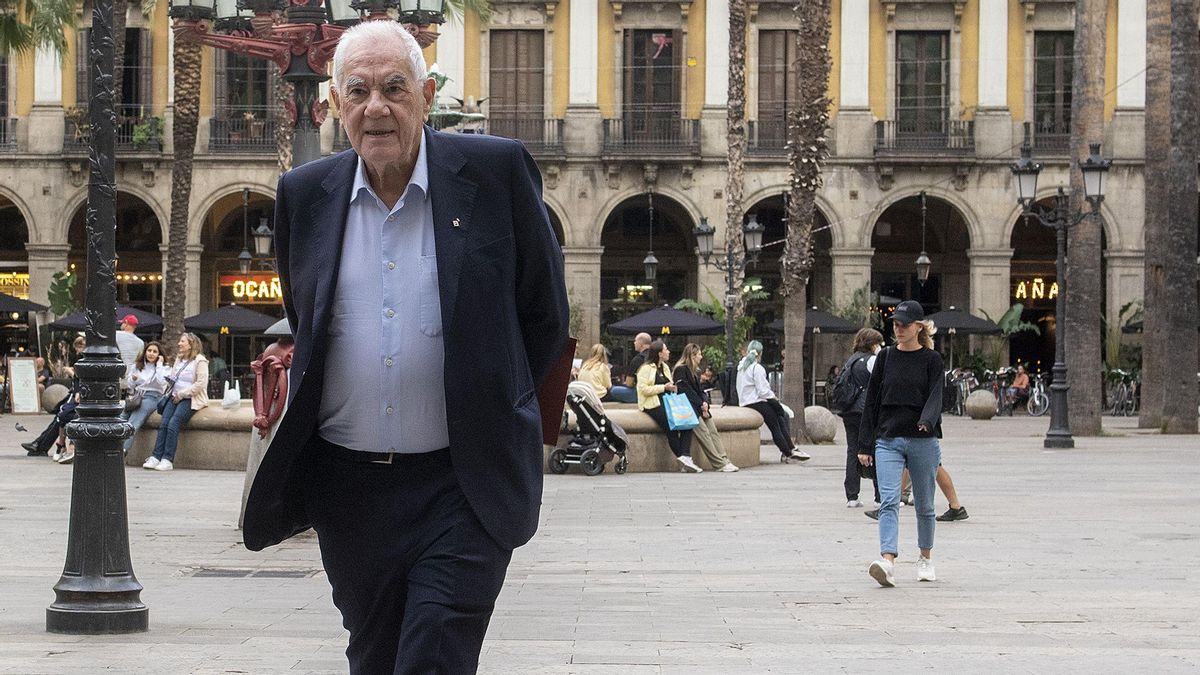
[900,428]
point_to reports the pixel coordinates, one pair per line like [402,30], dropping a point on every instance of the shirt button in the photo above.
[391,313]
[390,410]
[391,449]
[391,265]
[391,218]
[388,362]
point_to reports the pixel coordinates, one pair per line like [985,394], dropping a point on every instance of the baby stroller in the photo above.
[596,439]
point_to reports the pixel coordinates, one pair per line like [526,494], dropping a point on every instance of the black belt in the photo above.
[324,447]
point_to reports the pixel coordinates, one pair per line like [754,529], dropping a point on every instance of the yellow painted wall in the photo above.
[472,57]
[23,100]
[606,69]
[835,53]
[430,52]
[968,92]
[1016,59]
[1110,62]
[160,49]
[560,84]
[879,58]
[208,76]
[68,70]
[696,48]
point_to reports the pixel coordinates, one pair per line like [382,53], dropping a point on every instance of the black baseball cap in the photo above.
[908,312]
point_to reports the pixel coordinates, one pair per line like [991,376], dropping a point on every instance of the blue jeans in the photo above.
[174,417]
[138,417]
[921,456]
[623,394]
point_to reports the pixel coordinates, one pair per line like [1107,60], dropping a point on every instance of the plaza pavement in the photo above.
[1072,561]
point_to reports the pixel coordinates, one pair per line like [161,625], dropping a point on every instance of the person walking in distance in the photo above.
[654,380]
[424,287]
[857,369]
[900,428]
[754,391]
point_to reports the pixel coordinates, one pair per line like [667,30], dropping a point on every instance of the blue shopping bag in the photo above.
[680,414]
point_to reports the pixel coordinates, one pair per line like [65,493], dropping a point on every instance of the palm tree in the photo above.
[735,120]
[1158,145]
[1179,414]
[1084,281]
[808,121]
[186,65]
[35,23]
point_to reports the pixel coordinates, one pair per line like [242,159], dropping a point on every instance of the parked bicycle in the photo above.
[1122,393]
[998,382]
[959,383]
[1039,395]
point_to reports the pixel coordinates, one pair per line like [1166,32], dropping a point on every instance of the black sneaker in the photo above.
[872,514]
[953,514]
[31,450]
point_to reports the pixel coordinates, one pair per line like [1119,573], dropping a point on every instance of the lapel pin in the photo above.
[455,222]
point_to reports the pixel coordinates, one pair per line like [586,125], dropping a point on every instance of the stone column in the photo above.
[582,265]
[44,261]
[582,131]
[990,286]
[43,132]
[1125,282]
[851,271]
[854,134]
[193,298]
[1126,135]
[993,122]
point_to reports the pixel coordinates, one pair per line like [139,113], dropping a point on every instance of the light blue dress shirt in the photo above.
[384,388]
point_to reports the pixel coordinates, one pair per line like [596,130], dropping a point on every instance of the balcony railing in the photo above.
[540,136]
[767,138]
[133,134]
[243,132]
[651,135]
[928,137]
[1054,139]
[8,133]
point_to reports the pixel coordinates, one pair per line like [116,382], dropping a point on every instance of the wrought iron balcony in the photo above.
[767,138]
[929,137]
[251,132]
[1050,139]
[540,136]
[641,135]
[133,134]
[8,133]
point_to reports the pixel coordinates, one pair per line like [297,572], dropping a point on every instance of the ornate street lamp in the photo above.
[98,592]
[923,261]
[752,234]
[1060,217]
[301,46]
[262,238]
[650,262]
[244,258]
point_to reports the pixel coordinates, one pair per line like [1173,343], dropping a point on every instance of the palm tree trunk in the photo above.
[1158,145]
[736,134]
[1179,415]
[1084,282]
[187,117]
[808,121]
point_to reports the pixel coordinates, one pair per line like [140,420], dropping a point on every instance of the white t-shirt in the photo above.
[130,346]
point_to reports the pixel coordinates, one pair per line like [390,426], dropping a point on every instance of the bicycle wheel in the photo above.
[1038,404]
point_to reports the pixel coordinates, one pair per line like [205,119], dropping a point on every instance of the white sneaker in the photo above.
[881,571]
[164,465]
[925,569]
[150,463]
[688,464]
[729,467]
[854,504]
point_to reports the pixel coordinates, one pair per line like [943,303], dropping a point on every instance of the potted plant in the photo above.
[147,133]
[254,126]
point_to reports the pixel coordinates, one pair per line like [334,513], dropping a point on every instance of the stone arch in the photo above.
[596,231]
[76,202]
[895,237]
[971,219]
[823,205]
[140,235]
[23,209]
[557,222]
[199,213]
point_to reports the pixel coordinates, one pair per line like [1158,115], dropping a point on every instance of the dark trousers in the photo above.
[413,572]
[64,412]
[776,420]
[679,441]
[853,475]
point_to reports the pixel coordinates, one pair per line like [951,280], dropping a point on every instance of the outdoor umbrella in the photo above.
[817,321]
[147,322]
[280,327]
[667,320]
[10,304]
[957,321]
[230,320]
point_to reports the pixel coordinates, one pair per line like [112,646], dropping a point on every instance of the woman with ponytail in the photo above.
[755,392]
[901,425]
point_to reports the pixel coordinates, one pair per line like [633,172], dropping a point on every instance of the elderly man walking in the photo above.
[424,287]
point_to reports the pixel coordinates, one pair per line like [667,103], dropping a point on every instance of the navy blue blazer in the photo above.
[504,318]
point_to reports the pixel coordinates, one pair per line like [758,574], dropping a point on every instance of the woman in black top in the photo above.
[687,379]
[900,427]
[858,368]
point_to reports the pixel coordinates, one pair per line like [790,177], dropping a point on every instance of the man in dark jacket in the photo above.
[867,343]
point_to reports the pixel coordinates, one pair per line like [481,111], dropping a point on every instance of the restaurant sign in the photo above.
[1032,289]
[251,289]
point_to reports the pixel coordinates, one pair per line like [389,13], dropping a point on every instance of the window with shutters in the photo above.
[1053,53]
[137,85]
[776,87]
[8,130]
[651,83]
[243,117]
[516,84]
[922,85]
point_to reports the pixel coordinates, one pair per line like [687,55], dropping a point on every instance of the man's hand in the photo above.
[865,460]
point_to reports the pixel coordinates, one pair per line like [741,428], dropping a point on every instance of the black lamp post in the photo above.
[1060,217]
[923,261]
[650,263]
[98,592]
[731,266]
[244,258]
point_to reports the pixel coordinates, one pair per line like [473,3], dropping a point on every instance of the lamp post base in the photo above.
[90,621]
[1058,442]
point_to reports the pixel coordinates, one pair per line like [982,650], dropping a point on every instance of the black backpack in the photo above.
[845,393]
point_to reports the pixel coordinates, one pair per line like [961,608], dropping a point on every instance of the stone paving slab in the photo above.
[1072,561]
